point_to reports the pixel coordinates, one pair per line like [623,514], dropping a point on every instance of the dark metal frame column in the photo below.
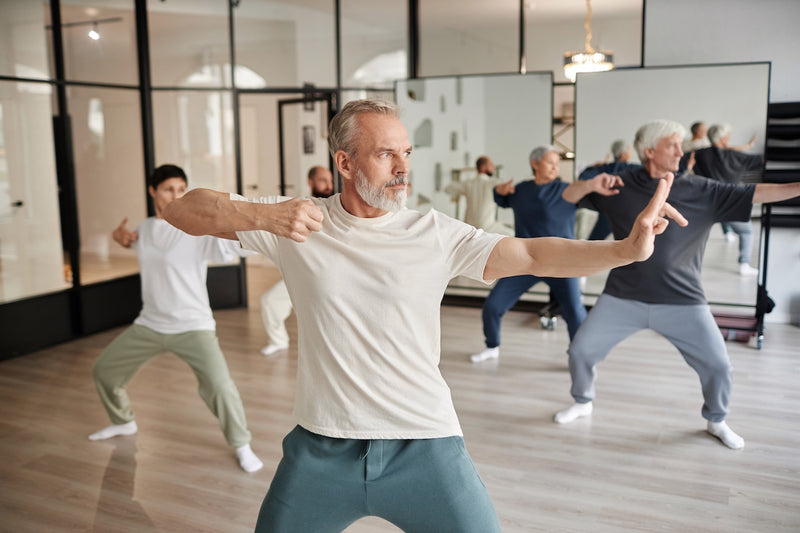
[145,96]
[65,171]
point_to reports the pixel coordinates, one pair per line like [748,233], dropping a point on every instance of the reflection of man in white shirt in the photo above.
[698,140]
[479,191]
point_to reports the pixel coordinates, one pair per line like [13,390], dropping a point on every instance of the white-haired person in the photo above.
[543,206]
[665,292]
[377,433]
[729,165]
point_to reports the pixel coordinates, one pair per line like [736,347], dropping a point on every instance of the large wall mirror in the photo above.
[451,121]
[613,105]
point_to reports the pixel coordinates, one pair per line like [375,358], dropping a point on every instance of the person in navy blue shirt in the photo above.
[543,207]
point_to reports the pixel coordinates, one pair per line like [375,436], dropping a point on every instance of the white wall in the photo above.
[613,105]
[502,116]
[694,32]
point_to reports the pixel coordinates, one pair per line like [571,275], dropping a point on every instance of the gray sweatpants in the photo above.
[745,232]
[690,328]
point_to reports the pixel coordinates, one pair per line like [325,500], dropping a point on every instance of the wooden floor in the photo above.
[642,463]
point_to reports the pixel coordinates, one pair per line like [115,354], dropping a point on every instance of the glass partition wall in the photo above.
[95,93]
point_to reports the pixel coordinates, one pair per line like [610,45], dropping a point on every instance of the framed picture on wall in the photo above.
[308,139]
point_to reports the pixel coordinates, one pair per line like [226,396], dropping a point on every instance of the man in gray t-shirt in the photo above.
[664,293]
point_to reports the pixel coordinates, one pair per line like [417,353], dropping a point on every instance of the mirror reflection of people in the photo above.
[176,317]
[724,164]
[665,293]
[698,139]
[481,210]
[621,152]
[377,431]
[276,305]
[543,207]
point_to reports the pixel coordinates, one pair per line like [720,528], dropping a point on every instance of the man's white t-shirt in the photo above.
[481,210]
[173,268]
[367,294]
[692,145]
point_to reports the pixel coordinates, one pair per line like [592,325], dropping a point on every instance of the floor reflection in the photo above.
[116,506]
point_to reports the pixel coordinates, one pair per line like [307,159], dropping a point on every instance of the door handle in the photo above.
[18,203]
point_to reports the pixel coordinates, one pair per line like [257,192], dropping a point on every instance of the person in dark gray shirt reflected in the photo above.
[665,292]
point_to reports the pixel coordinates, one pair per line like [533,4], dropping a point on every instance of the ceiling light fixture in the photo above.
[590,60]
[93,33]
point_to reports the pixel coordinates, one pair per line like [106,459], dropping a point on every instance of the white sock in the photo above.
[114,430]
[573,412]
[726,435]
[248,460]
[271,348]
[488,353]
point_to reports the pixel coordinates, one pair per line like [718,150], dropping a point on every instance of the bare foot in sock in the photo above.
[573,412]
[726,435]
[248,460]
[115,430]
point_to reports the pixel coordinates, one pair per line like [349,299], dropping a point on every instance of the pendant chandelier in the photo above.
[590,60]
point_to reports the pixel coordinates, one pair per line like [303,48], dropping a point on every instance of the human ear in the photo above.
[344,163]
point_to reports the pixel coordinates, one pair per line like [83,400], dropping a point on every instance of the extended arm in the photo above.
[123,235]
[207,212]
[502,191]
[455,189]
[556,257]
[775,192]
[743,147]
[604,184]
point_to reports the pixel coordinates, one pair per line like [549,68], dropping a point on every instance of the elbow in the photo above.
[175,214]
[170,212]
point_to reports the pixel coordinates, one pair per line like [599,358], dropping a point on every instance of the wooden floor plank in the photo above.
[643,462]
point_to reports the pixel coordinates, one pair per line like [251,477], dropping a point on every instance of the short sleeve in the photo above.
[467,249]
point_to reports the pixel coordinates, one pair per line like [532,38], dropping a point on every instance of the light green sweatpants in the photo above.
[126,354]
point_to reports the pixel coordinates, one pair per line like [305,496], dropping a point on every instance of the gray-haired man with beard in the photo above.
[377,432]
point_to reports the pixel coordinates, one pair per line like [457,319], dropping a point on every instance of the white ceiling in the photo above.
[434,12]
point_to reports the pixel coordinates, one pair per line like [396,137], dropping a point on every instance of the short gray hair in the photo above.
[618,148]
[343,129]
[538,153]
[648,135]
[717,132]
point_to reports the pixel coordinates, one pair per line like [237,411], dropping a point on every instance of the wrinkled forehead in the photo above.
[381,132]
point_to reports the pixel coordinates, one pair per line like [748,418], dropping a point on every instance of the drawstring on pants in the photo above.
[366,450]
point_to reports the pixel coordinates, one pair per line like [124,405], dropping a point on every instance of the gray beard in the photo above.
[376,196]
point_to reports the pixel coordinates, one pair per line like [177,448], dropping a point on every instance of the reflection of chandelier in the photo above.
[590,60]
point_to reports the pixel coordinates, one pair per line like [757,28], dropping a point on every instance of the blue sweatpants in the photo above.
[690,328]
[325,484]
[507,292]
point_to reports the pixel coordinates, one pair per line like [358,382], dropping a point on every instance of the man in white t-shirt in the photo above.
[276,305]
[377,431]
[175,317]
[698,140]
[481,210]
